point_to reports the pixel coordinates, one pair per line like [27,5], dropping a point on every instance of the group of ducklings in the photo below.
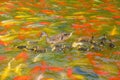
[40,49]
[93,44]
[32,48]
[81,44]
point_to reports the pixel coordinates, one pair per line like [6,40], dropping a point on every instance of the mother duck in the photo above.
[57,38]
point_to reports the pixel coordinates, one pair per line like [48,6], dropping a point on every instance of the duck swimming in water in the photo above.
[57,38]
[81,41]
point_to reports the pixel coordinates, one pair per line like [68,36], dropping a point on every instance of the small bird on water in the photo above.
[57,38]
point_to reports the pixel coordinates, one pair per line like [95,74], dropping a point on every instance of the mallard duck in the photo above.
[57,38]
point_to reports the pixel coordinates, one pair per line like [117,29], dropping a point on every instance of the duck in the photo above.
[57,48]
[103,40]
[81,41]
[38,49]
[57,38]
[111,44]
[84,39]
[21,47]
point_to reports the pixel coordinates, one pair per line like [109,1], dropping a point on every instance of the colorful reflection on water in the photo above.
[25,55]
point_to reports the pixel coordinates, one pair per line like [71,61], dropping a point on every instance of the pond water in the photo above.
[85,36]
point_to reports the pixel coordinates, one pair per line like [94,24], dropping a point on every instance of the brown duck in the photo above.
[57,38]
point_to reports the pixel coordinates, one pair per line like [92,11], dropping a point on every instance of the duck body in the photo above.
[58,38]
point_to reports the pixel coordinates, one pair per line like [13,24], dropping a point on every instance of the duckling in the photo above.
[57,48]
[84,39]
[75,44]
[82,45]
[83,48]
[22,47]
[61,48]
[95,47]
[95,44]
[93,40]
[81,41]
[111,44]
[38,49]
[103,40]
[66,47]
